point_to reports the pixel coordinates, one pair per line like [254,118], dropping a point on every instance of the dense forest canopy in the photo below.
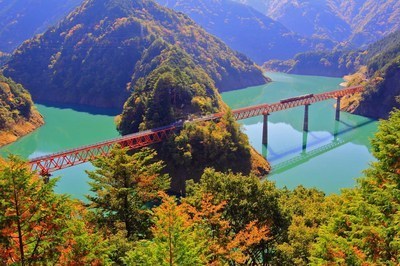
[18,116]
[176,89]
[225,218]
[92,54]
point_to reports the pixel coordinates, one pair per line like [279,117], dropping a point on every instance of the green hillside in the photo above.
[382,79]
[173,88]
[93,53]
[18,116]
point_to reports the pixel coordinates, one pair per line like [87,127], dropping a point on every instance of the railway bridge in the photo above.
[60,160]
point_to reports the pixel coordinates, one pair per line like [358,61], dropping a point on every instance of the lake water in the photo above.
[66,128]
[328,157]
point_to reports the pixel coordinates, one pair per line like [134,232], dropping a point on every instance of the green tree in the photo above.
[225,245]
[40,227]
[177,240]
[365,227]
[124,188]
[248,200]
[307,209]
[220,145]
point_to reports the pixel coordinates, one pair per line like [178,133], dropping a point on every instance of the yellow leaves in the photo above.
[225,244]
[73,30]
[169,215]
[206,221]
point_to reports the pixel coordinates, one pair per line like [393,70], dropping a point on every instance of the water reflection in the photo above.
[329,156]
[314,149]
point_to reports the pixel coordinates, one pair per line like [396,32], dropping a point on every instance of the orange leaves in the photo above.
[208,212]
[361,255]
[147,186]
[204,223]
[224,244]
[36,225]
[252,235]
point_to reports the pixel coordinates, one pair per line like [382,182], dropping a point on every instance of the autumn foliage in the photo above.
[224,219]
[38,226]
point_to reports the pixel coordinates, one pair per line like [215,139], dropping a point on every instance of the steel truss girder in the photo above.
[49,163]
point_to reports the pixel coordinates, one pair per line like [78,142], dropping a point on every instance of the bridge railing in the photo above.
[262,109]
[63,159]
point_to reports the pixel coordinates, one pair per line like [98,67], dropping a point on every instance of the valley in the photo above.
[178,175]
[286,136]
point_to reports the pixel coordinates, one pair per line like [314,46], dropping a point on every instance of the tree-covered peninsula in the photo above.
[18,116]
[174,88]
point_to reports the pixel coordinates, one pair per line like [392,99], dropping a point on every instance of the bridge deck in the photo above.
[60,160]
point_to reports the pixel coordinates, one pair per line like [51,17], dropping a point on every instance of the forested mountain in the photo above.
[18,116]
[95,51]
[245,29]
[358,22]
[382,79]
[323,63]
[21,19]
[370,20]
[174,88]
[306,17]
[376,67]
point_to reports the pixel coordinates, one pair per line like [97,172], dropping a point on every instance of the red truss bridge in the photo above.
[60,160]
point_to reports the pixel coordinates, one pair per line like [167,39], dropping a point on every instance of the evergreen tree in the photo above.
[40,227]
[177,240]
[365,228]
[124,187]
[247,201]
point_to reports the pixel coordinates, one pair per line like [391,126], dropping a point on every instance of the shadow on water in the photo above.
[83,108]
[309,150]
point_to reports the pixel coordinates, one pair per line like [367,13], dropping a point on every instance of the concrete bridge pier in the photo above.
[337,117]
[265,129]
[305,125]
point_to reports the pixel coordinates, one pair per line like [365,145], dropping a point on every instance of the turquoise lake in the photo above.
[329,157]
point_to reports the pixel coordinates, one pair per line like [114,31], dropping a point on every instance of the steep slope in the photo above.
[93,53]
[173,89]
[305,17]
[18,116]
[382,79]
[358,22]
[370,20]
[4,58]
[245,29]
[21,19]
[323,63]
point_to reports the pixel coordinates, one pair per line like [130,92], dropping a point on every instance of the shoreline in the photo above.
[20,130]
